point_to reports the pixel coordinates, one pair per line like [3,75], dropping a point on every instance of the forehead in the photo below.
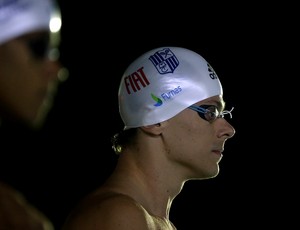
[36,34]
[52,38]
[215,100]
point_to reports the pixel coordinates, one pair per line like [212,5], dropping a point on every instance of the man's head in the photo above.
[163,82]
[30,33]
[19,17]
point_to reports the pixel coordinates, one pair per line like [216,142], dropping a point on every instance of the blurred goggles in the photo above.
[210,113]
[40,48]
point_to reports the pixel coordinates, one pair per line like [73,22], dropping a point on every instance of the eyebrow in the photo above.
[220,104]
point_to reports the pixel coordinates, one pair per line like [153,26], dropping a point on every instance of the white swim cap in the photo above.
[18,17]
[163,82]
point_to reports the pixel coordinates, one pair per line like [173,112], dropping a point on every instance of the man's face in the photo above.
[28,77]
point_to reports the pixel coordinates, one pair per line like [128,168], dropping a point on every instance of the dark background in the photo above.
[72,155]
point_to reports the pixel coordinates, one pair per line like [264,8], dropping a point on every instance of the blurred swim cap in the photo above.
[163,82]
[18,17]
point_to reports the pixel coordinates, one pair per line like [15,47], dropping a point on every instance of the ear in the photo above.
[155,129]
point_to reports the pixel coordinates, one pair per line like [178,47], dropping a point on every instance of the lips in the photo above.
[219,152]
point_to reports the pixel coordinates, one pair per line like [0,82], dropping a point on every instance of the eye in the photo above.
[38,47]
[212,113]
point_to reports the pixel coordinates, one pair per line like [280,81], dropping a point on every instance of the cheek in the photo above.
[186,133]
[194,136]
[193,128]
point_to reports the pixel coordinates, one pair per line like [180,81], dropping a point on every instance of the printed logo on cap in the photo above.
[164,61]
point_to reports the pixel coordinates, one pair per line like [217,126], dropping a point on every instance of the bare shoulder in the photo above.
[108,210]
[17,213]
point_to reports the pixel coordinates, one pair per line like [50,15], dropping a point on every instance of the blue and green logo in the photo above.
[157,100]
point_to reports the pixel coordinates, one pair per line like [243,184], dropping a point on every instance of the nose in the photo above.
[231,130]
[227,129]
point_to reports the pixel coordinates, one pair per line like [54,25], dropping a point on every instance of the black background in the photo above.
[71,155]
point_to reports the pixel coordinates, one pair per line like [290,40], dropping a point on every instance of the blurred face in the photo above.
[28,78]
[196,140]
